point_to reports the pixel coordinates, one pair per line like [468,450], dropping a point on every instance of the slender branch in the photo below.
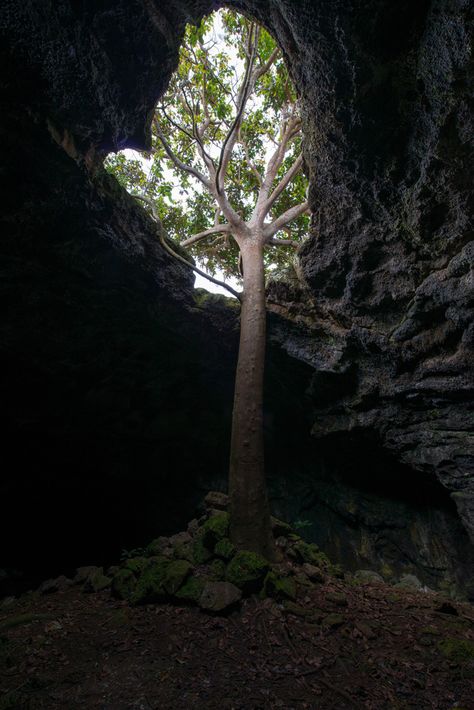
[180,258]
[270,229]
[249,160]
[206,233]
[179,163]
[284,182]
[288,129]
[244,93]
[283,242]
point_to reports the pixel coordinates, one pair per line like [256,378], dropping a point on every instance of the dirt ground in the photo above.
[343,646]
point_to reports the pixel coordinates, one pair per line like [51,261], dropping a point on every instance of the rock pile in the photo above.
[201,566]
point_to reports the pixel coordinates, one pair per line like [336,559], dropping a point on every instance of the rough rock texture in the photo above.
[117,383]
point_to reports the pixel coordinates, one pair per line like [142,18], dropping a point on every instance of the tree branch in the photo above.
[178,257]
[283,242]
[284,182]
[179,163]
[244,93]
[224,228]
[270,229]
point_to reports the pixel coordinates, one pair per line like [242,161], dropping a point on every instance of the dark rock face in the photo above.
[117,381]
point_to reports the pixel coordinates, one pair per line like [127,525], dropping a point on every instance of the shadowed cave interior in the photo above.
[118,376]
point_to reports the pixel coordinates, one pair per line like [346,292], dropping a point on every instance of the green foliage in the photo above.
[300,524]
[204,91]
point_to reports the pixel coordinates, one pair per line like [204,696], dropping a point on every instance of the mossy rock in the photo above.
[279,587]
[184,551]
[457,650]
[150,587]
[123,584]
[217,570]
[136,565]
[157,546]
[216,528]
[97,582]
[247,571]
[201,554]
[175,575]
[191,590]
[310,553]
[280,528]
[224,549]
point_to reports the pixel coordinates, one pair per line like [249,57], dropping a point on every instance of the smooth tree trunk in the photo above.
[250,526]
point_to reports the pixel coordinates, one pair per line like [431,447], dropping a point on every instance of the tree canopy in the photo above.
[230,110]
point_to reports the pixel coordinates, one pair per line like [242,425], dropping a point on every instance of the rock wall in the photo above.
[117,381]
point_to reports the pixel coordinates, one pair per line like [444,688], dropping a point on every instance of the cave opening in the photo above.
[230,115]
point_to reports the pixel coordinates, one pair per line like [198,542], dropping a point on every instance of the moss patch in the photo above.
[215,529]
[175,575]
[457,650]
[279,587]
[247,570]
[191,590]
[123,584]
[224,548]
[151,585]
[136,565]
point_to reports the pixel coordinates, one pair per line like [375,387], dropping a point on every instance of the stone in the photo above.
[136,565]
[193,527]
[219,596]
[367,576]
[112,570]
[365,629]
[123,584]
[313,573]
[58,584]
[157,546]
[201,553]
[217,570]
[216,500]
[224,549]
[191,590]
[97,582]
[181,538]
[150,587]
[308,552]
[214,529]
[175,575]
[408,581]
[333,621]
[337,598]
[83,573]
[280,528]
[247,571]
[279,587]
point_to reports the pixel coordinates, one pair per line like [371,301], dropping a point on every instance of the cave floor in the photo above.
[384,648]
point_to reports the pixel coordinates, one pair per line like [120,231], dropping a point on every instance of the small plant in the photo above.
[300,524]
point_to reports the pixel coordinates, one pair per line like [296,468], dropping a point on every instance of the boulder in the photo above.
[367,576]
[219,596]
[217,500]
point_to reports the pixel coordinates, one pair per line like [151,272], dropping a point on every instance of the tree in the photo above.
[232,147]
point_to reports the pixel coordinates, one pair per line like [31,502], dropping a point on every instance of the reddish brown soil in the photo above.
[93,652]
